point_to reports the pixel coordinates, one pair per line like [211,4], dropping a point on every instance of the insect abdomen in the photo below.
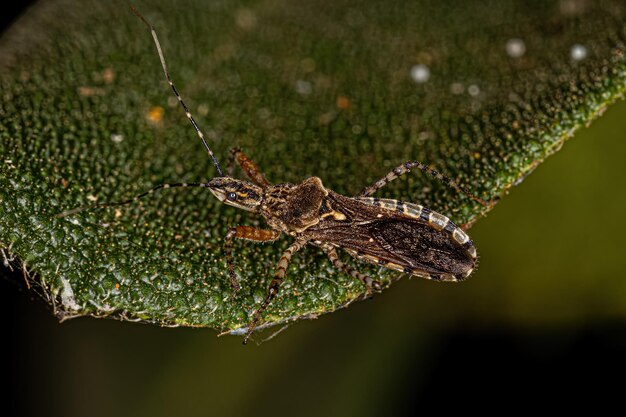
[430,244]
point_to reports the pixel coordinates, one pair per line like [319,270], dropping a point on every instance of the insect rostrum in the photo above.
[401,236]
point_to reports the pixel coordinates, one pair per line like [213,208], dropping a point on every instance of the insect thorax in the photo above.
[294,207]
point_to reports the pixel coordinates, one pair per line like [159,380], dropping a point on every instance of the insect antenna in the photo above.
[180,99]
[131,200]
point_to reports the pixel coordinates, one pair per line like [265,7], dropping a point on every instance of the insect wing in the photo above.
[407,245]
[422,247]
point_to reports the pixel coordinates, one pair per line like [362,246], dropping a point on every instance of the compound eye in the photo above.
[231,196]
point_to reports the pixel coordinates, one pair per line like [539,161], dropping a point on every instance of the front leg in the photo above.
[248,166]
[279,275]
[244,232]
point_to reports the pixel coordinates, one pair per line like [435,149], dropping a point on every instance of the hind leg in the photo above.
[407,167]
[371,284]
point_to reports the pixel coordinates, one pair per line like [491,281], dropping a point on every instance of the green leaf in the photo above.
[344,91]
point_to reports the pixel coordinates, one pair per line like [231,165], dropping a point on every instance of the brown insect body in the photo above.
[401,236]
[393,234]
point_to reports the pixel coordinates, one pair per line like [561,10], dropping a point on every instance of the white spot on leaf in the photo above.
[67,296]
[473,90]
[578,52]
[515,47]
[420,73]
[303,87]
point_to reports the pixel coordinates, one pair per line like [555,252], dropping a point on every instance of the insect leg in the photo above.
[248,233]
[279,275]
[131,200]
[407,167]
[367,281]
[249,167]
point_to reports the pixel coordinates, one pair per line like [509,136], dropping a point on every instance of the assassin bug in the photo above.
[406,237]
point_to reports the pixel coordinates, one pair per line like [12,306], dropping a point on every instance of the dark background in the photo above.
[560,228]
